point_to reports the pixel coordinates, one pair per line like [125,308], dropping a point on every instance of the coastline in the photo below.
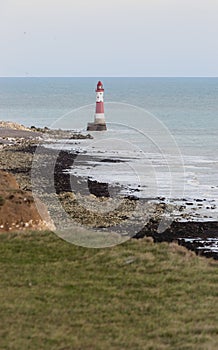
[16,158]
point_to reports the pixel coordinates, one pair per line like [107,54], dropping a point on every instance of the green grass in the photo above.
[137,295]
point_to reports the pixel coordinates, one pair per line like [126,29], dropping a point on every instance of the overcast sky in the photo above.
[108,37]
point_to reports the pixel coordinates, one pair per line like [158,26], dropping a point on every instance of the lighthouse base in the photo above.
[96,127]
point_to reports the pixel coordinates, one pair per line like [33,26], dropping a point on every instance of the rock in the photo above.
[7,181]
[67,195]
[18,210]
[99,189]
[12,125]
[111,160]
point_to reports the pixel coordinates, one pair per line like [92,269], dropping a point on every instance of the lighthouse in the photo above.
[99,120]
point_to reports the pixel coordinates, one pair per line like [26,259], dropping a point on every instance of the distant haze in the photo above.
[109,38]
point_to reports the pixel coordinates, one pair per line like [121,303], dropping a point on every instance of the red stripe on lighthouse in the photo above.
[99,107]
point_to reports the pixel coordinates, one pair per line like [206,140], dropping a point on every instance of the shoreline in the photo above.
[16,159]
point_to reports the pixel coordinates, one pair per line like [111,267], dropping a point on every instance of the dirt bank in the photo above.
[18,209]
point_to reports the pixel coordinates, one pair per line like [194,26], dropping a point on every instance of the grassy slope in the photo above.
[138,295]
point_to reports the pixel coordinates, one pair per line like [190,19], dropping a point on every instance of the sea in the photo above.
[162,136]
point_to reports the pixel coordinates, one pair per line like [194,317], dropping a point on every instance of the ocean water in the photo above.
[187,106]
[164,129]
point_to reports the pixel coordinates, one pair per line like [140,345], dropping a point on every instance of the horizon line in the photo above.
[107,76]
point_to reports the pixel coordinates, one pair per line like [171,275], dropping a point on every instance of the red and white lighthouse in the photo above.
[99,111]
[99,121]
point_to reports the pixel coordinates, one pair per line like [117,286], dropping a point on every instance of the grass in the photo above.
[2,201]
[137,295]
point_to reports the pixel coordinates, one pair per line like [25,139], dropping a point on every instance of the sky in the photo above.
[144,38]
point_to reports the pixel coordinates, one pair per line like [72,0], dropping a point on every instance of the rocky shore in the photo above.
[195,236]
[16,159]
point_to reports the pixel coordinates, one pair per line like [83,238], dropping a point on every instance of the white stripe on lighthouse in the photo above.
[99,118]
[99,97]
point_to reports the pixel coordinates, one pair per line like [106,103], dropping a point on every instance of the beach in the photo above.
[16,158]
